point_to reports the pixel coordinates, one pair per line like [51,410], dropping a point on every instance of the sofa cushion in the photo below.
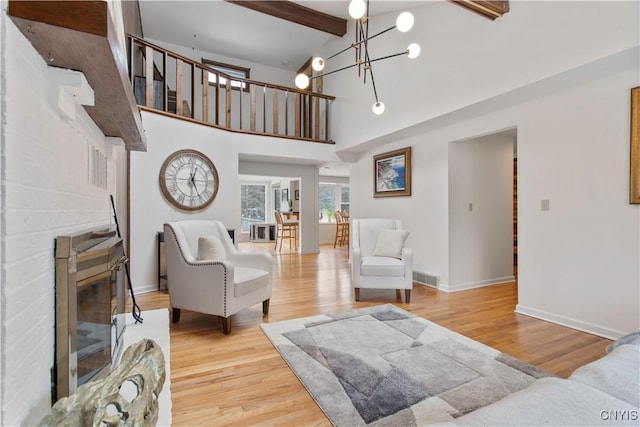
[246,280]
[554,401]
[211,248]
[617,374]
[381,266]
[390,243]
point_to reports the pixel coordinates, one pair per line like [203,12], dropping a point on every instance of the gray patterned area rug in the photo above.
[385,366]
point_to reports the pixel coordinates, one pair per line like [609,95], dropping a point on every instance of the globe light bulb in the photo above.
[378,108]
[302,81]
[404,22]
[413,51]
[317,63]
[357,9]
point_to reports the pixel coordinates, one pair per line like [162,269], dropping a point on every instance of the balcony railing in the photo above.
[168,82]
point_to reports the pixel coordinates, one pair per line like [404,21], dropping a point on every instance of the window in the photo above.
[276,199]
[252,205]
[344,198]
[230,70]
[332,197]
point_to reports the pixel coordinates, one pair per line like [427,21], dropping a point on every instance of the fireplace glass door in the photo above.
[93,339]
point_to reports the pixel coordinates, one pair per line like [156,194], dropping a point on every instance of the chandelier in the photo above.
[359,10]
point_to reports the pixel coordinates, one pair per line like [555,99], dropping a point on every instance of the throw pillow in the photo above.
[211,248]
[390,243]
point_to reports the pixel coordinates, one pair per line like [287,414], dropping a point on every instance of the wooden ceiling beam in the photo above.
[490,9]
[293,12]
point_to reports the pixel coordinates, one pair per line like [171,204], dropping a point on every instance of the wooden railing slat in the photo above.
[179,88]
[165,89]
[286,113]
[316,121]
[217,98]
[241,96]
[149,76]
[252,119]
[193,91]
[264,109]
[205,95]
[326,120]
[298,107]
[276,124]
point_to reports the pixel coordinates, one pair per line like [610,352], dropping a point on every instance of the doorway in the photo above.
[482,210]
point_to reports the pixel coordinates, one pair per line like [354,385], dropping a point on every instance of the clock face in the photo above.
[189,180]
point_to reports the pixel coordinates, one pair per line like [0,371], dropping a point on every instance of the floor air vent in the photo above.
[426,278]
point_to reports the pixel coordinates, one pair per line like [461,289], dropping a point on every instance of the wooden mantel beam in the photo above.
[293,12]
[81,36]
[491,9]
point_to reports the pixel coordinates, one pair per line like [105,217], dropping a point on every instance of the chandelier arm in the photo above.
[373,83]
[334,71]
[365,48]
[360,42]
[355,65]
[359,39]
[404,52]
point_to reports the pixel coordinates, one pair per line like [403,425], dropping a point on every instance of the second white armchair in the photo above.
[381,260]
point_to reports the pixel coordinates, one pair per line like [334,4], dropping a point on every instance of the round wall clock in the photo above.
[189,180]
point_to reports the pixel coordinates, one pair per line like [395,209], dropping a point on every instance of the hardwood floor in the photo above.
[240,379]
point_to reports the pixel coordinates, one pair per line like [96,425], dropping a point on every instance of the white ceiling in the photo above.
[238,32]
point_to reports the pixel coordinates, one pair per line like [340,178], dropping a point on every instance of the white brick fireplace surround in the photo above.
[46,191]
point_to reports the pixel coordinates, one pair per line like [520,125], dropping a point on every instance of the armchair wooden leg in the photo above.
[407,295]
[175,315]
[265,306]
[398,294]
[226,325]
[357,294]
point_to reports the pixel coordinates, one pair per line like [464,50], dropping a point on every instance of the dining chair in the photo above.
[342,229]
[286,229]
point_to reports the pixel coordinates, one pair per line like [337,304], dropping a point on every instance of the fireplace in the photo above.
[90,307]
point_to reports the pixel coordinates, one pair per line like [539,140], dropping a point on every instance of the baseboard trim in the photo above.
[148,288]
[472,285]
[426,285]
[569,322]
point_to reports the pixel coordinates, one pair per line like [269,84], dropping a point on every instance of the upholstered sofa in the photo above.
[604,392]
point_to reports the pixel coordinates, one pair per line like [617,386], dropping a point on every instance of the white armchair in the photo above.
[207,274]
[380,260]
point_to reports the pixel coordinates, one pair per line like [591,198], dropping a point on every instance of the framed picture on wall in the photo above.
[297,194]
[634,184]
[285,195]
[392,173]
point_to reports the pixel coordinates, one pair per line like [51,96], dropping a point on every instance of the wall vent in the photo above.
[98,166]
[426,278]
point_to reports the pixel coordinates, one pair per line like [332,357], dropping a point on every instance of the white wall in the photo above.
[579,262]
[149,209]
[466,59]
[45,193]
[480,211]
